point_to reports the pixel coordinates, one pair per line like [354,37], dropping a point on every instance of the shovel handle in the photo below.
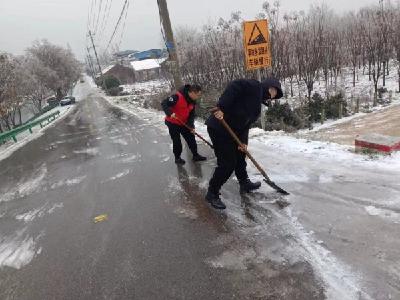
[192,130]
[256,164]
[238,141]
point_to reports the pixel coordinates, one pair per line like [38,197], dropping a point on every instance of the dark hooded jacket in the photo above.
[241,104]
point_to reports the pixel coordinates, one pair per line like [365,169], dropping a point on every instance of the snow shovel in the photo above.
[256,164]
[192,130]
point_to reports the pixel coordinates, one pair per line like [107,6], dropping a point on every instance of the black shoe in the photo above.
[247,186]
[179,161]
[215,201]
[198,157]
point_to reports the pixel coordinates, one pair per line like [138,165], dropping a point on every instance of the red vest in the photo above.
[181,109]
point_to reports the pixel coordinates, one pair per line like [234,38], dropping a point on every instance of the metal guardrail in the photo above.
[12,134]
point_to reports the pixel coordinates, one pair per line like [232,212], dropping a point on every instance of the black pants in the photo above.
[229,159]
[175,131]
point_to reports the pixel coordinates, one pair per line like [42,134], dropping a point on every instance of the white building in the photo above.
[147,69]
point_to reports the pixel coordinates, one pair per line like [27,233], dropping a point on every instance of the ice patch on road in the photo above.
[89,151]
[120,142]
[131,159]
[186,212]
[383,213]
[68,182]
[323,178]
[291,177]
[372,210]
[26,188]
[203,184]
[31,215]
[235,259]
[119,175]
[341,282]
[54,207]
[165,158]
[18,250]
[174,185]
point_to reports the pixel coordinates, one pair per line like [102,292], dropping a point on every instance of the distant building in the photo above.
[147,69]
[124,74]
[125,53]
[148,54]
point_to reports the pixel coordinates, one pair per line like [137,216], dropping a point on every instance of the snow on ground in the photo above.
[322,151]
[363,90]
[330,123]
[363,87]
[142,91]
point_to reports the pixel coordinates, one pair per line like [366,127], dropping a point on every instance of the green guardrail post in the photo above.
[28,126]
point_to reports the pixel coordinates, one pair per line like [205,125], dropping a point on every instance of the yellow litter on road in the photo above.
[100,218]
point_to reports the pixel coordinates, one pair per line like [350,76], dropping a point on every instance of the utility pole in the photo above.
[90,63]
[170,42]
[97,58]
[262,106]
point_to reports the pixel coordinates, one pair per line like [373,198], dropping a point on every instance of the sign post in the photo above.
[257,50]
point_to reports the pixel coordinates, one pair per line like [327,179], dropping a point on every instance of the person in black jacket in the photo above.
[180,110]
[239,106]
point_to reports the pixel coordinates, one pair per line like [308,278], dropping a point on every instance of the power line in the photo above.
[123,26]
[118,22]
[97,58]
[105,21]
[93,19]
[105,15]
[98,16]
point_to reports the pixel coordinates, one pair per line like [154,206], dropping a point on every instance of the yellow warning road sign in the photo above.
[256,44]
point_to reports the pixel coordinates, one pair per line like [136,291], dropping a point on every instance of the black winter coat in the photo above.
[241,105]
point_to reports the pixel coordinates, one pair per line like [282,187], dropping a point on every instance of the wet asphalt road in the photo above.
[161,239]
[338,240]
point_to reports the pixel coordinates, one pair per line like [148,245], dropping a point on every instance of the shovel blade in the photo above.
[276,188]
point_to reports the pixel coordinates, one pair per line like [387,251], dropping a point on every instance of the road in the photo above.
[161,239]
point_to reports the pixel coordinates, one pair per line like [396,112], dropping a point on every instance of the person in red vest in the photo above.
[180,110]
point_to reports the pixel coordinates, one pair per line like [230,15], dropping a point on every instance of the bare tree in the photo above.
[396,39]
[61,66]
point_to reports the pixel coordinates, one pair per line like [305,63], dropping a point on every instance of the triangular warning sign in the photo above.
[256,36]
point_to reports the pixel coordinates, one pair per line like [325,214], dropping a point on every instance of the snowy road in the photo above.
[338,240]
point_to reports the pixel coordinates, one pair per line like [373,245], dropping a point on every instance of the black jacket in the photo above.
[241,104]
[171,101]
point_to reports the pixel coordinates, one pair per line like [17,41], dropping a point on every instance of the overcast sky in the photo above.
[65,21]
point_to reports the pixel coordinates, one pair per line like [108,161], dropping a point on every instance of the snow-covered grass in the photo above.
[321,151]
[363,89]
[141,91]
